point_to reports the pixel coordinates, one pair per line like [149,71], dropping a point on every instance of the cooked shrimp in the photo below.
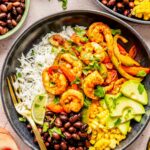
[71,62]
[58,41]
[92,51]
[72,100]
[55,83]
[100,32]
[90,82]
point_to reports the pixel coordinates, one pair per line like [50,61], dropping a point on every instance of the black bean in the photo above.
[2,15]
[56,136]
[67,125]
[78,124]
[29,126]
[111,3]
[63,145]
[87,143]
[104,2]
[18,18]
[75,136]
[131,4]
[83,135]
[50,113]
[80,148]
[56,146]
[47,144]
[46,134]
[62,129]
[58,122]
[49,139]
[16,4]
[67,135]
[63,113]
[71,148]
[3,8]
[73,118]
[120,5]
[9,6]
[14,11]
[64,118]
[72,129]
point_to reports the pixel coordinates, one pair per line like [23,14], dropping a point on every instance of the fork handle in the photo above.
[37,134]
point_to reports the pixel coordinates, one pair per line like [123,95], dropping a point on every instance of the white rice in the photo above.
[31,66]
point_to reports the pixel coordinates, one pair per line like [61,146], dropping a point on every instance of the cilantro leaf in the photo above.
[87,102]
[56,100]
[45,126]
[19,75]
[76,81]
[64,4]
[22,119]
[141,73]
[99,91]
[36,105]
[117,122]
[41,97]
[115,31]
[55,130]
[141,88]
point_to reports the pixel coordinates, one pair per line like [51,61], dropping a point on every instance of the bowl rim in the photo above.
[94,12]
[122,16]
[20,24]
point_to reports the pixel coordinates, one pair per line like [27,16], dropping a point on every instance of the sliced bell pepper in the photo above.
[55,107]
[137,71]
[122,50]
[132,51]
[124,59]
[52,69]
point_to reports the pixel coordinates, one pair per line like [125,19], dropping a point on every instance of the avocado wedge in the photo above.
[135,90]
[122,103]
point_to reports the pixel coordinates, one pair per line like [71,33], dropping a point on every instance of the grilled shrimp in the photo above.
[72,100]
[58,41]
[100,32]
[71,62]
[92,51]
[90,82]
[54,83]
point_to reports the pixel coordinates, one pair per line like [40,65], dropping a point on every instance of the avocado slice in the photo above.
[135,90]
[124,128]
[110,101]
[123,103]
[138,118]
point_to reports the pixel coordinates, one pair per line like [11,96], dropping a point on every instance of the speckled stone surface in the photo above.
[42,8]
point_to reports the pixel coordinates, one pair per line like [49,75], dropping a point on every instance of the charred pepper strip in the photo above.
[124,59]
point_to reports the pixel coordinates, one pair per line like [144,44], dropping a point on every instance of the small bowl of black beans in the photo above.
[12,16]
[64,131]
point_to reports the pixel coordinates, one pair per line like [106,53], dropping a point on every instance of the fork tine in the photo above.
[11,92]
[13,78]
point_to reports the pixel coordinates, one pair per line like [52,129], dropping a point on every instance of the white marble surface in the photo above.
[42,8]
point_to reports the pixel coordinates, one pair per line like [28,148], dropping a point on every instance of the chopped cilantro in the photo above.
[54,50]
[32,53]
[141,73]
[56,130]
[115,31]
[41,65]
[117,122]
[22,119]
[80,32]
[41,97]
[45,126]
[87,102]
[19,75]
[141,88]
[99,91]
[56,100]
[36,105]
[76,81]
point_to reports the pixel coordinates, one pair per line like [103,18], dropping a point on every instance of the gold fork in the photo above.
[24,111]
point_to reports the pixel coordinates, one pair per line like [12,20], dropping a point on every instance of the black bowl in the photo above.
[139,21]
[34,34]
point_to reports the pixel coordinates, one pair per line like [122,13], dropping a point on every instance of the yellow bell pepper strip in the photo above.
[132,51]
[124,59]
[136,71]
[122,71]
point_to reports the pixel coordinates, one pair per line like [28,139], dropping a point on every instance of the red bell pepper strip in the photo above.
[122,50]
[136,71]
[132,51]
[52,69]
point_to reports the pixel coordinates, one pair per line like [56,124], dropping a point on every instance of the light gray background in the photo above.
[42,8]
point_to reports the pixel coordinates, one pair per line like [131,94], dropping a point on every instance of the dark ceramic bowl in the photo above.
[34,34]
[139,21]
